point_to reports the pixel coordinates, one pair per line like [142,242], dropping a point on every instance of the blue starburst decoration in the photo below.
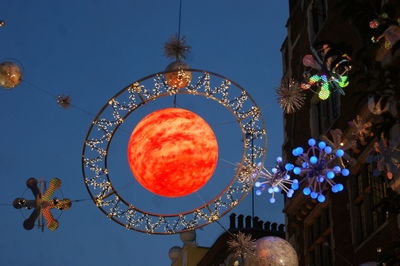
[275,181]
[318,169]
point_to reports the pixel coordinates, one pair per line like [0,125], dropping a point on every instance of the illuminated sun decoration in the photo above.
[172,152]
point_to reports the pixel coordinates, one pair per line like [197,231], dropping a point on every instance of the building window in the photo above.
[318,240]
[368,192]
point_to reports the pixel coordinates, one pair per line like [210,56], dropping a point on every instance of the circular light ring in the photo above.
[97,176]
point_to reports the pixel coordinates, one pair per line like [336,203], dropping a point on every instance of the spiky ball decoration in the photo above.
[318,169]
[176,48]
[242,245]
[64,101]
[179,77]
[275,181]
[290,96]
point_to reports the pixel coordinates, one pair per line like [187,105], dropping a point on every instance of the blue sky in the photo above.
[90,50]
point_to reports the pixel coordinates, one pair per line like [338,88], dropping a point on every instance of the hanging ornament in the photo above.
[176,48]
[387,157]
[10,75]
[361,129]
[327,73]
[64,101]
[42,204]
[242,245]
[391,30]
[171,143]
[98,177]
[338,142]
[172,152]
[383,102]
[317,169]
[290,96]
[309,61]
[178,76]
[373,24]
[275,181]
[274,251]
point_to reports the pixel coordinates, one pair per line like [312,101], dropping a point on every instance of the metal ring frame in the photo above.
[100,134]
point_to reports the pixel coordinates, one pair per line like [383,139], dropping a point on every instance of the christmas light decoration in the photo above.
[98,176]
[290,96]
[326,74]
[318,169]
[387,157]
[337,141]
[42,204]
[274,251]
[385,28]
[242,245]
[361,129]
[64,101]
[10,75]
[275,181]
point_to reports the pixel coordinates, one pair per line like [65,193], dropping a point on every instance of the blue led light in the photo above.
[279,159]
[339,153]
[314,195]
[328,149]
[336,188]
[345,172]
[272,200]
[330,175]
[311,142]
[321,145]
[270,190]
[321,198]
[258,192]
[275,189]
[289,167]
[313,159]
[299,150]
[274,170]
[304,165]
[286,177]
[297,170]
[337,169]
[321,179]
[306,191]
[257,184]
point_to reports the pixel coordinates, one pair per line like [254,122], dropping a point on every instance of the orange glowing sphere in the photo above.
[172,152]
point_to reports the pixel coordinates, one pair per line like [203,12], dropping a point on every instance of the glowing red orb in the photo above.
[172,152]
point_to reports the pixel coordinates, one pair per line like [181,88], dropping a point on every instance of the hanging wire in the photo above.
[179,22]
[179,37]
[55,97]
